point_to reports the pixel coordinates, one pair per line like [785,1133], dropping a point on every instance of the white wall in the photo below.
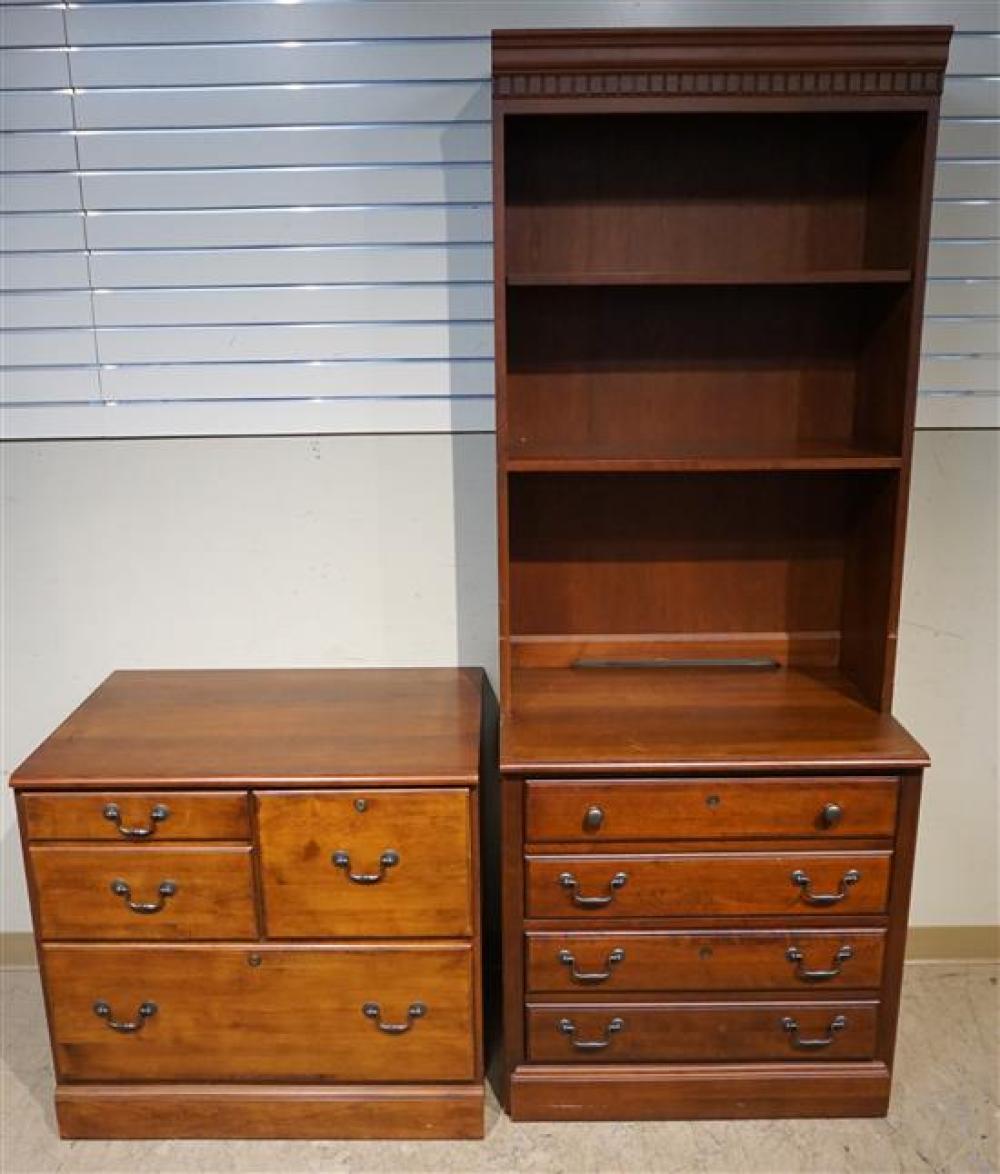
[350,550]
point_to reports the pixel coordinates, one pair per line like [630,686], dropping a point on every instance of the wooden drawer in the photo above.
[144,892]
[270,1012]
[720,884]
[366,864]
[137,817]
[709,809]
[677,1032]
[724,960]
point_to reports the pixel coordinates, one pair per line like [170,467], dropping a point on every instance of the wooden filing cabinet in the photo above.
[257,903]
[710,251]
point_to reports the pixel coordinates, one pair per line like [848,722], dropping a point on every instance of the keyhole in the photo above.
[705,953]
[254,959]
[360,804]
[713,801]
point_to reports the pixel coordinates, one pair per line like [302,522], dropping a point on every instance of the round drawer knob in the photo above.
[831,815]
[594,819]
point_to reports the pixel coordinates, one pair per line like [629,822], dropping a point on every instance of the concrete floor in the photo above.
[943,1116]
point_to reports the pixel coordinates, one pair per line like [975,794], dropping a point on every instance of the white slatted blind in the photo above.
[254,216]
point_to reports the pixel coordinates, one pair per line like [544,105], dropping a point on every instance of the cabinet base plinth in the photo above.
[453,1112]
[679,1092]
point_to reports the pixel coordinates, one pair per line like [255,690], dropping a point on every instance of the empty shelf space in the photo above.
[647,719]
[733,277]
[799,457]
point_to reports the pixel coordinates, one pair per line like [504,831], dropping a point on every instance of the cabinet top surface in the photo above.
[655,720]
[298,726]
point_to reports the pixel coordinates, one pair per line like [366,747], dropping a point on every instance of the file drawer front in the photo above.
[144,892]
[722,884]
[260,1012]
[366,863]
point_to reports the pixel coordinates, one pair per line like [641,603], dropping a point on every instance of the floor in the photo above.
[944,1113]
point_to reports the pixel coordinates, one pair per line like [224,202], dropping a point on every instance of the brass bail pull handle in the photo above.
[569,881]
[414,1012]
[157,815]
[800,878]
[794,954]
[611,1029]
[566,958]
[838,1023]
[146,1011]
[166,890]
[386,861]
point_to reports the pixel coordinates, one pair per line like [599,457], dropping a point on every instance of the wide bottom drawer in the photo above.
[390,1013]
[675,1032]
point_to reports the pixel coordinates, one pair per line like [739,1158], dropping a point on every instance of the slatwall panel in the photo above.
[249,216]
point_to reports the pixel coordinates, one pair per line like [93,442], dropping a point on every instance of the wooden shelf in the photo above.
[805,458]
[651,720]
[733,277]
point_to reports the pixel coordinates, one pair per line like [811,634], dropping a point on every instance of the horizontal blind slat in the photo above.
[146,23]
[286,146]
[310,264]
[232,343]
[115,230]
[259,188]
[249,418]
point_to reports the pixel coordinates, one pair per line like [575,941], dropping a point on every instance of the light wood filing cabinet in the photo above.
[709,263]
[256,899]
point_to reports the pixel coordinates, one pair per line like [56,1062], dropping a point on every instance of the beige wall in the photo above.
[347,550]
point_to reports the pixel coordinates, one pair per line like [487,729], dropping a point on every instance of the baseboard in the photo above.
[17,949]
[686,1092]
[450,1112]
[939,943]
[924,943]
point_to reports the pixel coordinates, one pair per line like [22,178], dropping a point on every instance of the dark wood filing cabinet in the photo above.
[710,254]
[256,901]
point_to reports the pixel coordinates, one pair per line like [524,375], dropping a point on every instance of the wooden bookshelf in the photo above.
[710,257]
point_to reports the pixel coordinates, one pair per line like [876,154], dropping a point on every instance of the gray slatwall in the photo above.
[249,216]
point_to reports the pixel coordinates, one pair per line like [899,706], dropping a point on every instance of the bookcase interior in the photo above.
[706,355]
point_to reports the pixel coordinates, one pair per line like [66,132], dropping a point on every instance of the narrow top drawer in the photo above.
[688,809]
[137,817]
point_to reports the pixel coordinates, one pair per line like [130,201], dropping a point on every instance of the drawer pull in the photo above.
[800,878]
[166,890]
[566,958]
[831,815]
[794,954]
[838,1023]
[387,860]
[569,881]
[103,1011]
[594,818]
[414,1011]
[568,1027]
[157,815]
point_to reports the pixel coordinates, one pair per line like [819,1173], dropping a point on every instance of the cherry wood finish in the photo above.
[586,963]
[707,809]
[80,895]
[183,816]
[280,1013]
[710,255]
[428,891]
[419,1111]
[643,1092]
[188,1015]
[301,727]
[661,1033]
[706,885]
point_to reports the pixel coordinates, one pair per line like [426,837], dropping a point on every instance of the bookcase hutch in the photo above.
[710,253]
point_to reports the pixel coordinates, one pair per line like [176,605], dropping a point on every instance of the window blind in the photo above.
[256,216]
